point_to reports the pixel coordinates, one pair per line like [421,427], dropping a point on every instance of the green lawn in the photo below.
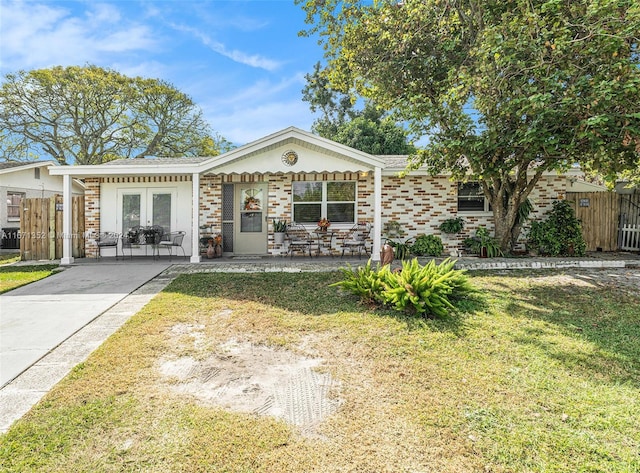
[13,276]
[540,375]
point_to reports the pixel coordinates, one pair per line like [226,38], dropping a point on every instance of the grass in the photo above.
[12,276]
[8,258]
[543,376]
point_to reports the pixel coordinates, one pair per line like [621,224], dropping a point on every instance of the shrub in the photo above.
[560,234]
[427,245]
[481,240]
[426,290]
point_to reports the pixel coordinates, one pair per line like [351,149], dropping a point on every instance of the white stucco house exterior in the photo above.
[20,180]
[290,175]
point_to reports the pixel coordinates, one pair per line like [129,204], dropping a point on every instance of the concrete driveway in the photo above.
[36,318]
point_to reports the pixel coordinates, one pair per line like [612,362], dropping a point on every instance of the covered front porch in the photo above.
[291,176]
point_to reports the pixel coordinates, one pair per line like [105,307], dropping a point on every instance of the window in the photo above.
[471,198]
[13,204]
[333,200]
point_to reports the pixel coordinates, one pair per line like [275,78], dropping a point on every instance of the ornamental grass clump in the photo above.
[429,290]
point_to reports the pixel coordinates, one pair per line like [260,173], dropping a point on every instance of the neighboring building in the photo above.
[290,175]
[20,180]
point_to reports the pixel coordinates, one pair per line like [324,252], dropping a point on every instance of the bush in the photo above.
[560,234]
[427,245]
[426,290]
[482,239]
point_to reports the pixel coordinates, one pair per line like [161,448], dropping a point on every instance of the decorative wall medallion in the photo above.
[290,158]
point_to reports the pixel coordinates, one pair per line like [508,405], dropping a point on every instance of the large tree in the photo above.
[368,129]
[91,115]
[505,89]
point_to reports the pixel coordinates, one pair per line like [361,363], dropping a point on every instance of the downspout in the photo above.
[67,217]
[377,213]
[195,218]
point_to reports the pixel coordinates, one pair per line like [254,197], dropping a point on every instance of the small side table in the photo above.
[324,239]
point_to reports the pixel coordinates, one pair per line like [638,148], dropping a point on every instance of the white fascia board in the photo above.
[37,164]
[276,139]
[125,170]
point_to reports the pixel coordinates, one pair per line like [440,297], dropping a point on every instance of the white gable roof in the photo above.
[315,154]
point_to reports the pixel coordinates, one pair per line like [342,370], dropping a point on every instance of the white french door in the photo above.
[146,207]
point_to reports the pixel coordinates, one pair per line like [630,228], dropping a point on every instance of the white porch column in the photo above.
[195,219]
[67,218]
[377,214]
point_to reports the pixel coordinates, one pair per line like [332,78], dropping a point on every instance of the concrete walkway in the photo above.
[48,327]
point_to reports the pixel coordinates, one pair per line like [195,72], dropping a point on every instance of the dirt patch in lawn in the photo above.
[244,377]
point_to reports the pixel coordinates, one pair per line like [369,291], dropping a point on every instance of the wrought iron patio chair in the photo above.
[356,239]
[299,239]
[107,240]
[170,241]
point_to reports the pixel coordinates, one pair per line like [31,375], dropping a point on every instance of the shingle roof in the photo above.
[14,164]
[157,161]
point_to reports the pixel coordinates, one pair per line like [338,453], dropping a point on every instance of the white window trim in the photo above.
[485,211]
[323,204]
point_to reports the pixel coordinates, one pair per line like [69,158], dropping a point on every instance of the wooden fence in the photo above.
[599,212]
[41,232]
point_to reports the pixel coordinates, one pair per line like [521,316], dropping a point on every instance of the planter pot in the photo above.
[278,238]
[210,251]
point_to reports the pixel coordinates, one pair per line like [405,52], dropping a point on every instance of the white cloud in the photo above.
[253,60]
[37,35]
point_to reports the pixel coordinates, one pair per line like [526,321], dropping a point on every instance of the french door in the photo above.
[146,207]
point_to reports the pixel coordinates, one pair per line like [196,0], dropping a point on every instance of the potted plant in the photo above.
[452,225]
[279,229]
[323,224]
[483,244]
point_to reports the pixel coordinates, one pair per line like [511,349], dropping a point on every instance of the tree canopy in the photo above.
[367,129]
[91,115]
[505,90]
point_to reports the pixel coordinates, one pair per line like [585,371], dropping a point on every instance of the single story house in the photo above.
[23,180]
[290,175]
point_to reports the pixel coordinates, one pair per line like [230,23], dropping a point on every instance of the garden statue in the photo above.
[386,254]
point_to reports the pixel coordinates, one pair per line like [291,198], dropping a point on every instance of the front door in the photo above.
[250,230]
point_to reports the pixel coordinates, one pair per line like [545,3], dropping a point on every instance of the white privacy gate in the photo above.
[629,237]
[629,222]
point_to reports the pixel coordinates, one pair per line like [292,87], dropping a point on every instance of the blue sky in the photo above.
[241,61]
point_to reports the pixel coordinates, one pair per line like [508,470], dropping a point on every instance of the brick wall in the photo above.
[421,203]
[91,215]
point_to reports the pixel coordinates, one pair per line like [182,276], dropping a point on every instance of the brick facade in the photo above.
[419,203]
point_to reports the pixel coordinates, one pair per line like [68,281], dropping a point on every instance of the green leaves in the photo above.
[91,115]
[426,290]
[501,84]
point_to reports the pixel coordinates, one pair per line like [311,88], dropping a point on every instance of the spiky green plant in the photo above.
[426,290]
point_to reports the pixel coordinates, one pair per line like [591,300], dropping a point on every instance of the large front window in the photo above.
[334,200]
